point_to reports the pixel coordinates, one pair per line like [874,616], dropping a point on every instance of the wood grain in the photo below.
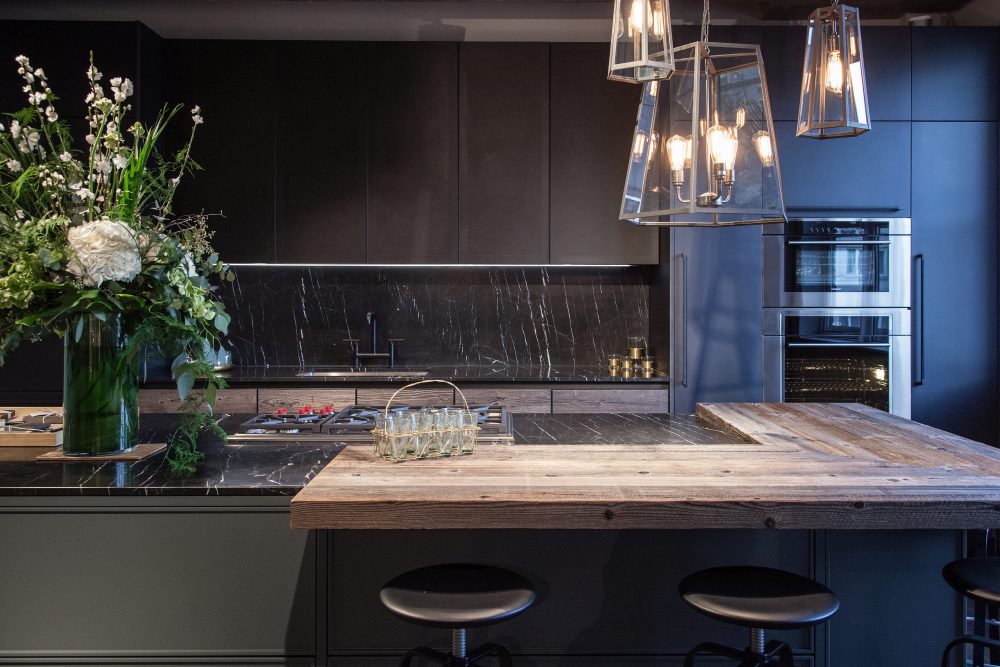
[609,400]
[269,400]
[408,397]
[515,400]
[811,466]
[167,400]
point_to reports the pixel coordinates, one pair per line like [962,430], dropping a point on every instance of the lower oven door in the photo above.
[838,356]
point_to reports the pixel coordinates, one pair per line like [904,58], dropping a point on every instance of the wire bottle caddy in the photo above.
[427,432]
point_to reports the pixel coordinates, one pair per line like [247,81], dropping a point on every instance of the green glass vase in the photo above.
[100,388]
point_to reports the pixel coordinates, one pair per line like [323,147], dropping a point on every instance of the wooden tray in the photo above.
[137,453]
[51,438]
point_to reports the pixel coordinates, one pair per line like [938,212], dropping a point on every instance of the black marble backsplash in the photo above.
[529,316]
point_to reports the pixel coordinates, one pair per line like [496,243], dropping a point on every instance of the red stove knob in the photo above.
[326,409]
[306,410]
[282,411]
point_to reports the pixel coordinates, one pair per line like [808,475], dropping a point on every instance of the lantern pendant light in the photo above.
[834,97]
[641,41]
[703,151]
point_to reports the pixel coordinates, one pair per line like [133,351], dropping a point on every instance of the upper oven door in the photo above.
[838,264]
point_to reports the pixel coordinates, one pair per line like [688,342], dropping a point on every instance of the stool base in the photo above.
[458,657]
[757,654]
[970,640]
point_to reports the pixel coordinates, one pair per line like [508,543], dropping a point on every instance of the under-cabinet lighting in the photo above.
[436,266]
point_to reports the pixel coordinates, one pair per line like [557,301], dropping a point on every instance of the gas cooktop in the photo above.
[351,424]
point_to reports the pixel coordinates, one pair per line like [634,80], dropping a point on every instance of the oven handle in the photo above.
[839,344]
[684,319]
[918,317]
[839,242]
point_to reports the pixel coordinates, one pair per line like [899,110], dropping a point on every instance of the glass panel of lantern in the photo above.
[703,152]
[641,41]
[833,101]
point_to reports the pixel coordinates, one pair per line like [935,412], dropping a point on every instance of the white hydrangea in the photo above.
[103,250]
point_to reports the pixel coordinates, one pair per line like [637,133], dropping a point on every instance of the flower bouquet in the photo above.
[90,249]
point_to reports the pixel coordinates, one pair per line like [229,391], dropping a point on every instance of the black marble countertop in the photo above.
[287,376]
[282,468]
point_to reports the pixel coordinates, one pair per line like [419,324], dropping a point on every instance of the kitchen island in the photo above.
[125,563]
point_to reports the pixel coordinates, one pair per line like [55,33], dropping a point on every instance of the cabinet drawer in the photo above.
[167,400]
[515,400]
[269,400]
[609,400]
[408,397]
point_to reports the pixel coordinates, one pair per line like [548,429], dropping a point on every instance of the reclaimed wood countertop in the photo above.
[797,465]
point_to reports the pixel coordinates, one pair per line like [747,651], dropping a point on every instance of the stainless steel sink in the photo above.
[362,373]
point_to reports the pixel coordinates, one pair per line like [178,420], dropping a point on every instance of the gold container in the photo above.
[615,372]
[614,361]
[648,374]
[636,353]
[628,372]
[648,363]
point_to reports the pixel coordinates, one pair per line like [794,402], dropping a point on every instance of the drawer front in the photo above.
[269,400]
[609,400]
[408,397]
[167,400]
[515,400]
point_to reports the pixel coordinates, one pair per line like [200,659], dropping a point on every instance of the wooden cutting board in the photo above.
[51,438]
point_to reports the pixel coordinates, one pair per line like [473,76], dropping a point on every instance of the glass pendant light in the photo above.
[714,161]
[641,41]
[834,97]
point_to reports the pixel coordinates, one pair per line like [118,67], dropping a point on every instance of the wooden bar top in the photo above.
[838,466]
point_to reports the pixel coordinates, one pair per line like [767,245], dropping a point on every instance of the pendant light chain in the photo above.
[706,20]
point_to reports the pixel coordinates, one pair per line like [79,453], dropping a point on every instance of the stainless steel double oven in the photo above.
[836,321]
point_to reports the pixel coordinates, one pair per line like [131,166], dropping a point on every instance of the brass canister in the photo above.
[648,363]
[614,361]
[636,347]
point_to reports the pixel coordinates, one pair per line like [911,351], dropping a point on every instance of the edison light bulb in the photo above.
[635,17]
[678,152]
[834,72]
[638,146]
[722,145]
[659,27]
[762,144]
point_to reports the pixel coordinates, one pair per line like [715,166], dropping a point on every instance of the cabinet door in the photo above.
[887,70]
[592,124]
[231,81]
[867,175]
[955,275]
[715,316]
[593,401]
[503,153]
[321,174]
[955,73]
[413,153]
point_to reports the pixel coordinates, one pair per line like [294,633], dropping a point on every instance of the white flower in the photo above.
[22,60]
[20,214]
[50,113]
[120,161]
[1,127]
[40,73]
[93,74]
[91,139]
[81,193]
[33,139]
[13,165]
[65,157]
[102,165]
[15,129]
[196,115]
[103,250]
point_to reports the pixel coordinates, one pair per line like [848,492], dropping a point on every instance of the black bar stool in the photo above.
[458,596]
[758,598]
[979,580]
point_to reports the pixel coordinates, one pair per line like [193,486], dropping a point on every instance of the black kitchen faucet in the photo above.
[372,320]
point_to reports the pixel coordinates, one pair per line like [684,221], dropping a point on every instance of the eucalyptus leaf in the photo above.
[184,384]
[222,322]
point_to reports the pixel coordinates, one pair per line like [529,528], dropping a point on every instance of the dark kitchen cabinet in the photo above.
[955,278]
[715,310]
[503,141]
[867,175]
[887,70]
[592,124]
[320,174]
[413,153]
[231,81]
[955,73]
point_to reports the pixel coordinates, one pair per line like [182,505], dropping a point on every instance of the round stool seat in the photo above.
[457,595]
[978,578]
[759,597]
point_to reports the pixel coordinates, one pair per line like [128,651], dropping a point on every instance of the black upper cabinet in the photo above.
[320,174]
[63,49]
[503,97]
[231,81]
[955,73]
[413,153]
[955,273]
[864,175]
[887,70]
[592,124]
